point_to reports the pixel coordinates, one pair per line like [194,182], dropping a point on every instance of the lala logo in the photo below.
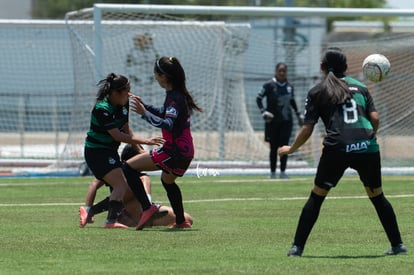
[358,146]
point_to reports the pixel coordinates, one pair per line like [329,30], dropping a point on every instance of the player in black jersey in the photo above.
[277,114]
[351,121]
[108,128]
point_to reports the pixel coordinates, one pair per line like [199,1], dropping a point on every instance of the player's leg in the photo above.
[369,169]
[330,169]
[85,212]
[116,180]
[273,145]
[135,184]
[146,181]
[284,136]
[169,219]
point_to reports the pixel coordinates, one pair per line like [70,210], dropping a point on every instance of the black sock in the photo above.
[310,213]
[99,207]
[115,208]
[176,201]
[388,219]
[136,185]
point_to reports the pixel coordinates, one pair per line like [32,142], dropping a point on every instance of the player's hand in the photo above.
[284,150]
[136,104]
[267,116]
[155,141]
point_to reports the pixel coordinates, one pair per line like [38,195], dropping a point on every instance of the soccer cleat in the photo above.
[83,216]
[295,251]
[400,249]
[146,215]
[183,225]
[114,224]
[272,175]
[283,175]
[157,215]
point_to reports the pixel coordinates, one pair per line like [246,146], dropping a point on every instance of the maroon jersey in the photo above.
[174,120]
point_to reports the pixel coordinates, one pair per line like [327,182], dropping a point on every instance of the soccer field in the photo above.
[242,225]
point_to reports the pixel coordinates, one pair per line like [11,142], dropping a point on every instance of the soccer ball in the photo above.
[376,67]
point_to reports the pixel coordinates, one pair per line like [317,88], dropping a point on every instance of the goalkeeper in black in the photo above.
[280,102]
[347,110]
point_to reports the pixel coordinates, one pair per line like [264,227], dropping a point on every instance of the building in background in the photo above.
[12,9]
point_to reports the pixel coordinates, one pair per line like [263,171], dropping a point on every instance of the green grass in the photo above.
[243,225]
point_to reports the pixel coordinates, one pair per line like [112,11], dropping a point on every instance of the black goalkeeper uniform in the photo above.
[280,100]
[350,139]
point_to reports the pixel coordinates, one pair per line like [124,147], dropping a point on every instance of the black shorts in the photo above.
[333,164]
[101,161]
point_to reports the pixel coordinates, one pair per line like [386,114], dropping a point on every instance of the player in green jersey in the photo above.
[108,128]
[351,122]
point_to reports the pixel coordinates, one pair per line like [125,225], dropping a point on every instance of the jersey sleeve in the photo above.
[311,113]
[370,102]
[104,119]
[154,110]
[259,98]
[167,123]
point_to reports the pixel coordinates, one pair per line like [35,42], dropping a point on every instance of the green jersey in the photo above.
[347,125]
[104,117]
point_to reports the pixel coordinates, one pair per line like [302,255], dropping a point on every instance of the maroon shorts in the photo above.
[171,165]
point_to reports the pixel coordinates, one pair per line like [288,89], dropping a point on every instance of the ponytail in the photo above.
[333,90]
[110,83]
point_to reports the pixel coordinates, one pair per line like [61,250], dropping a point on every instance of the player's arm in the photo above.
[136,102]
[166,123]
[374,119]
[303,135]
[259,99]
[129,131]
[119,136]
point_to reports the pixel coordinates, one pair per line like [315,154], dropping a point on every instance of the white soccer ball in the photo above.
[376,67]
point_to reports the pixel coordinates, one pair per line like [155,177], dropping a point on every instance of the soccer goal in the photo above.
[228,53]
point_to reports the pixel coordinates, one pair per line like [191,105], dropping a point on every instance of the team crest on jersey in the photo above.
[111,161]
[171,112]
[289,89]
[124,111]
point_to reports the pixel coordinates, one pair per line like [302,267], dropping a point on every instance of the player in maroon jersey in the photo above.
[176,154]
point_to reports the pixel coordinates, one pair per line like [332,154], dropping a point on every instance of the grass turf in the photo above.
[243,225]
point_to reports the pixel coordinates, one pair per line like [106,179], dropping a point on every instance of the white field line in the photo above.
[214,200]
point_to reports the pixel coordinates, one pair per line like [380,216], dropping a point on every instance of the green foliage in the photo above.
[242,225]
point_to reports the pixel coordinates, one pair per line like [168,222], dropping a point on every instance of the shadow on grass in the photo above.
[345,257]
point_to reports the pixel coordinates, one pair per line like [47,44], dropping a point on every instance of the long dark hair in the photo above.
[112,82]
[172,69]
[333,90]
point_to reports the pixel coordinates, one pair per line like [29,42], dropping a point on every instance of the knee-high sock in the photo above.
[176,200]
[99,207]
[115,208]
[310,213]
[136,185]
[388,219]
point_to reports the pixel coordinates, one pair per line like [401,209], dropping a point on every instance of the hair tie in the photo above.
[171,58]
[331,70]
